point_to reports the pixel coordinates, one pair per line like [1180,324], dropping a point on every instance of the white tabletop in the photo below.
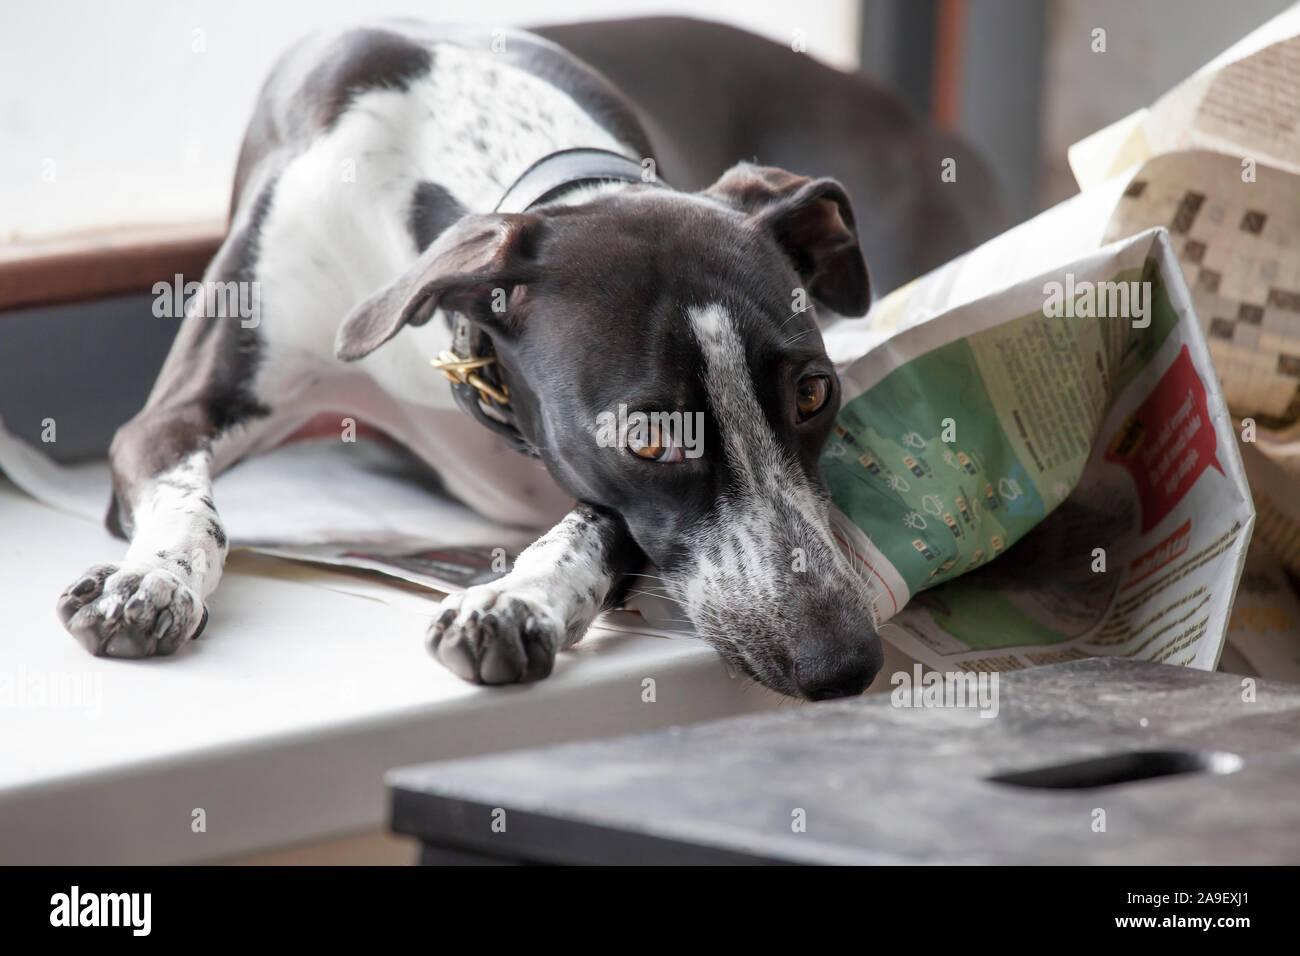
[281,720]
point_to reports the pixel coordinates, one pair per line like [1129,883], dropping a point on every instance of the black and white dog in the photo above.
[407,194]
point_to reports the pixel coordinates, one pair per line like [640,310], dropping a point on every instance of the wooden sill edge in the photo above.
[106,262]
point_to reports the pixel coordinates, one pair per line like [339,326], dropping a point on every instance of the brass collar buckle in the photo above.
[462,371]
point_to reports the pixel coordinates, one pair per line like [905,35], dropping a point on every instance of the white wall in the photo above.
[109,113]
[1151,46]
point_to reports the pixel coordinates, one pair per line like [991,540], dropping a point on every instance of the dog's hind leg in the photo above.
[510,629]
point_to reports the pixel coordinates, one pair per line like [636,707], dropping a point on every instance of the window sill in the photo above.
[103,263]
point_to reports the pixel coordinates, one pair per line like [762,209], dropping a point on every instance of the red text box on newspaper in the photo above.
[1167,442]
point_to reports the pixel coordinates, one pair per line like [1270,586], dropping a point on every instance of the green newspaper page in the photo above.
[952,457]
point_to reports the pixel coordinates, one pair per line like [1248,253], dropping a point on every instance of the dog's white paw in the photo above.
[131,611]
[495,634]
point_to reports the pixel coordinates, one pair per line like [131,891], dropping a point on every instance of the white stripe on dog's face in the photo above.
[764,571]
[770,473]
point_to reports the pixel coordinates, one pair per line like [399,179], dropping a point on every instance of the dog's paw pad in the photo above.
[491,636]
[131,611]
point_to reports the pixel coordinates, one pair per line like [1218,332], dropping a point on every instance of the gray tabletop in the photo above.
[1097,761]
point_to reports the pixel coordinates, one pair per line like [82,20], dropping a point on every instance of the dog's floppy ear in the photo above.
[480,266]
[813,222]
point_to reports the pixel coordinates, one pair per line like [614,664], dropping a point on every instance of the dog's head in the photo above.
[699,308]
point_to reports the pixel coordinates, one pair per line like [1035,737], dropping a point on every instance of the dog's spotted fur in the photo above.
[362,204]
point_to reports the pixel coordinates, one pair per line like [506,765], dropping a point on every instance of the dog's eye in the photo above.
[654,447]
[811,394]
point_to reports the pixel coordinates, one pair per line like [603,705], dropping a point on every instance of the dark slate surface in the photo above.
[881,784]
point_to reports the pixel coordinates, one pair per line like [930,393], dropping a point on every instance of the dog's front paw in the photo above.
[492,635]
[131,611]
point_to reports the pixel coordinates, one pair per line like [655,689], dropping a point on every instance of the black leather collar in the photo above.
[555,172]
[474,387]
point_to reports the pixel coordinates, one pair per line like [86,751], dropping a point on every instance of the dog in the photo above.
[490,202]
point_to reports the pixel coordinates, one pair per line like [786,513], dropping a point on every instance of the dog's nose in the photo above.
[840,669]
